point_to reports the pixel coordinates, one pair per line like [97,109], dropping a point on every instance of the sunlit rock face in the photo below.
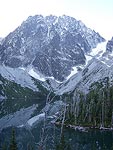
[52,45]
[109,46]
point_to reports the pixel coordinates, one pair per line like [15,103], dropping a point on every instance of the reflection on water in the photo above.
[77,140]
[91,140]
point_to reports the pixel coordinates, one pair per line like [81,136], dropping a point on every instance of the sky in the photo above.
[96,14]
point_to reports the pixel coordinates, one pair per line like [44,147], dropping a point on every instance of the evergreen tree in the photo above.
[4,147]
[62,144]
[13,144]
[29,147]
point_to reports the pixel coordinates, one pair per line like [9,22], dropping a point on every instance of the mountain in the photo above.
[48,62]
[99,66]
[109,46]
[17,95]
[1,40]
[89,92]
[51,45]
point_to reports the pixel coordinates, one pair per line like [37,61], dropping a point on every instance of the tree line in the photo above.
[92,109]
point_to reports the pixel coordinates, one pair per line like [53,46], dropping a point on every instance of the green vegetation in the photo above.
[13,144]
[63,144]
[4,147]
[17,97]
[92,109]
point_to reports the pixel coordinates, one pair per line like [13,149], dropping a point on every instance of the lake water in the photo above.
[91,140]
[79,140]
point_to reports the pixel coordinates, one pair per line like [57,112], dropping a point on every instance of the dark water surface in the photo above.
[77,140]
[91,140]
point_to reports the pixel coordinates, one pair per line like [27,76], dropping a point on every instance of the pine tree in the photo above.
[13,144]
[62,143]
[4,147]
[29,147]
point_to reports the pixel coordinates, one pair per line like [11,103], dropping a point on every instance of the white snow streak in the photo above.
[105,64]
[99,50]
[88,58]
[96,52]
[35,75]
[74,71]
[53,79]
[22,68]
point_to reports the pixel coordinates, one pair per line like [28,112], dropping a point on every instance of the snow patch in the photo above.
[96,52]
[21,126]
[74,71]
[22,68]
[53,79]
[18,75]
[35,75]
[99,50]
[88,58]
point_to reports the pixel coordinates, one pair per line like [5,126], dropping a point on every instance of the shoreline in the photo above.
[84,128]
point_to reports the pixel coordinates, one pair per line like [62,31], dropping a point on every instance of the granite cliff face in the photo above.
[109,46]
[52,45]
[99,67]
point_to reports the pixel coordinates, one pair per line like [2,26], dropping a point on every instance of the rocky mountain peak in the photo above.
[109,46]
[52,45]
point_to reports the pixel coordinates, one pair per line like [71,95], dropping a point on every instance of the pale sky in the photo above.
[96,14]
